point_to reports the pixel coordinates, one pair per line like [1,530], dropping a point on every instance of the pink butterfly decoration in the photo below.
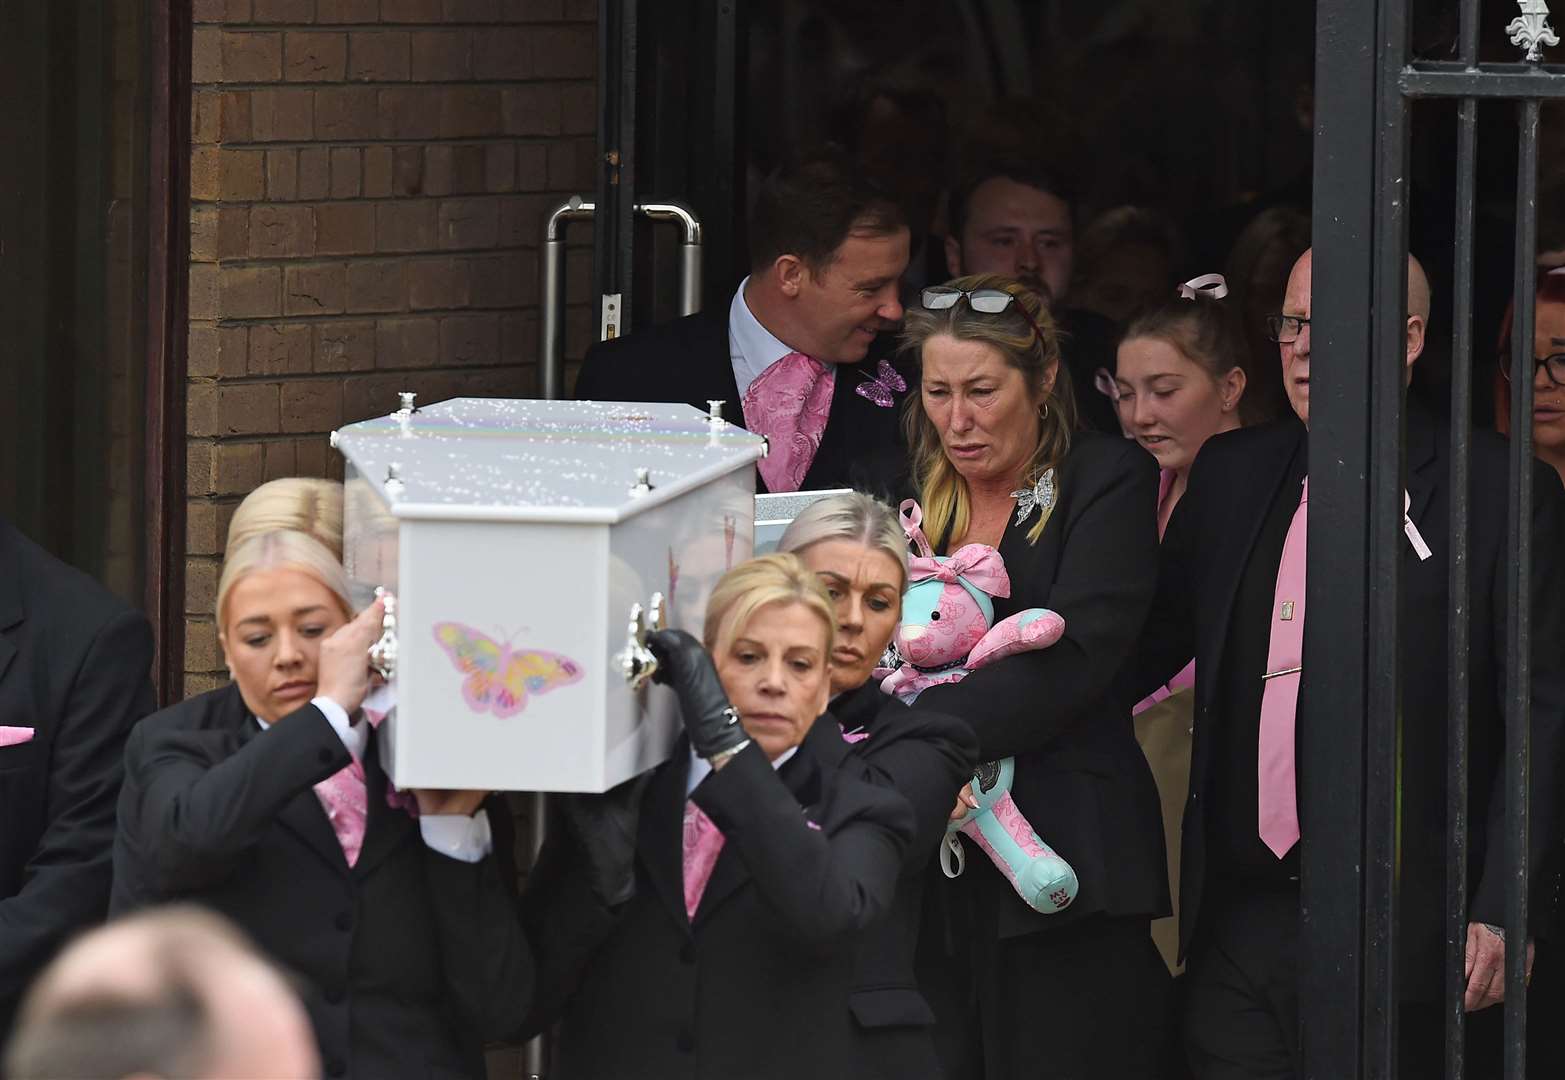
[880,386]
[499,678]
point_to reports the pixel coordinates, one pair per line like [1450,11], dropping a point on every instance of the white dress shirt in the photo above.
[464,838]
[751,347]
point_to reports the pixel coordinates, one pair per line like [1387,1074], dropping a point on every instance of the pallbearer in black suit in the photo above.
[74,666]
[856,546]
[265,800]
[794,356]
[702,923]
[997,460]
[1229,590]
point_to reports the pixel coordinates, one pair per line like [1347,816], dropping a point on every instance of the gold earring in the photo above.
[1043,413]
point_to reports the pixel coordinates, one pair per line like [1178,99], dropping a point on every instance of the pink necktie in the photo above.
[344,795]
[703,844]
[1277,801]
[789,403]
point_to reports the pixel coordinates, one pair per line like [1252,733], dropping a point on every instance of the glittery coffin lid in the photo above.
[512,460]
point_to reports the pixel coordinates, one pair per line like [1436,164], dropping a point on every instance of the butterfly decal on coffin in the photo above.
[500,678]
[882,385]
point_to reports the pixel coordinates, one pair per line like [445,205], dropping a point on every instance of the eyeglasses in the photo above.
[983,301]
[1554,365]
[1284,329]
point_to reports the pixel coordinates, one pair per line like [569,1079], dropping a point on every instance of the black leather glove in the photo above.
[683,663]
[604,828]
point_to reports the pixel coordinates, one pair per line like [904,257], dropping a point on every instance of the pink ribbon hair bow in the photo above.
[1213,286]
[980,564]
[15,736]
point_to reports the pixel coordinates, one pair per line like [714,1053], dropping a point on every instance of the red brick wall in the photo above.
[368,183]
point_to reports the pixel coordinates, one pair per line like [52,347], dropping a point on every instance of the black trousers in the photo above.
[1086,1002]
[1241,1004]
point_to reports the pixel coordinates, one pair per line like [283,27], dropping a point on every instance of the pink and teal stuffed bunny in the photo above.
[947,630]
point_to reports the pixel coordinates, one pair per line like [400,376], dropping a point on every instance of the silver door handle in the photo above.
[551,322]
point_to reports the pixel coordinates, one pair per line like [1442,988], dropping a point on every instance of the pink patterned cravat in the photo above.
[789,403]
[703,844]
[344,795]
[1277,801]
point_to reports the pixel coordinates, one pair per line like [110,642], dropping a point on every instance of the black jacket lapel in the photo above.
[660,843]
[386,827]
[303,814]
[801,774]
[1270,468]
[1423,463]
[11,610]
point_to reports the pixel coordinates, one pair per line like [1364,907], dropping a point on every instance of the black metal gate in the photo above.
[1365,85]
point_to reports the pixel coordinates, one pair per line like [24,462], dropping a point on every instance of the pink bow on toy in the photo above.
[980,564]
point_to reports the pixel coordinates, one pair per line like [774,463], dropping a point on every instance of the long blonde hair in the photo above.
[943,493]
[756,583]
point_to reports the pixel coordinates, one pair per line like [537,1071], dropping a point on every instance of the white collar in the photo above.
[751,347]
[699,767]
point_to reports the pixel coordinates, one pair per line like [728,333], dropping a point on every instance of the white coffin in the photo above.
[515,539]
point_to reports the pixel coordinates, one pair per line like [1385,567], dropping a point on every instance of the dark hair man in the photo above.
[1016,219]
[791,357]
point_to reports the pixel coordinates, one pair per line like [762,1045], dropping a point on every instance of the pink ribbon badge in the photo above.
[15,736]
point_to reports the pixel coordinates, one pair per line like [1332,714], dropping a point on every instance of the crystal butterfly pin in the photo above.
[1038,497]
[880,386]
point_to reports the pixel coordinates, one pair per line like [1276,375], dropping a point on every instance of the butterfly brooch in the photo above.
[1038,497]
[499,678]
[880,386]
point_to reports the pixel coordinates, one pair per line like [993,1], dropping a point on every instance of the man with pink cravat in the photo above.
[1231,597]
[799,354]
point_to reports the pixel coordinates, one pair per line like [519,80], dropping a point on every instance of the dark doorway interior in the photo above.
[1199,114]
[73,204]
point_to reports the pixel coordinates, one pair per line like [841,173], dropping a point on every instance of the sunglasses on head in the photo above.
[983,301]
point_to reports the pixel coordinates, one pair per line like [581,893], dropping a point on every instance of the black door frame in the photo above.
[1351,724]
[168,271]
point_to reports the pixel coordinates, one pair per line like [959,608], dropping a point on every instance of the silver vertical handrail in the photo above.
[551,322]
[689,249]
[551,346]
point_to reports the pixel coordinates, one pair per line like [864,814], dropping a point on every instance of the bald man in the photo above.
[172,992]
[1230,596]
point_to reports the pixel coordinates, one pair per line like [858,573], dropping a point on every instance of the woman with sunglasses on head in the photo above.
[997,460]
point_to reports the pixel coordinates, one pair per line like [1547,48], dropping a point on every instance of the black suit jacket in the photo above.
[926,757]
[1080,778]
[413,959]
[1204,553]
[756,985]
[74,666]
[688,360]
